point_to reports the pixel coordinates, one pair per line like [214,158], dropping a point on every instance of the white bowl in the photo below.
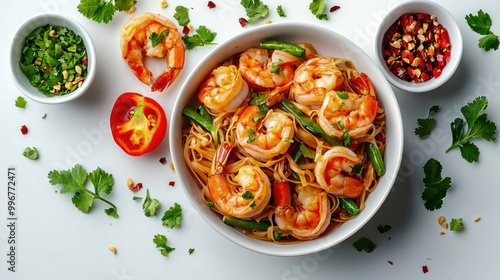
[447,21]
[20,79]
[327,42]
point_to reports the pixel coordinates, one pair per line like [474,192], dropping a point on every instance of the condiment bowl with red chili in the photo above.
[418,46]
[52,59]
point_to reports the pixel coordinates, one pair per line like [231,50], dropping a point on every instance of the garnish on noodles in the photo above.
[285,148]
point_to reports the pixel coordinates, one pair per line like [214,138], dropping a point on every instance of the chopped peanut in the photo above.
[112,249]
[163,4]
[477,218]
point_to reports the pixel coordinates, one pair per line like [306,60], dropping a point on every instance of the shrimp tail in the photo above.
[175,62]
[362,85]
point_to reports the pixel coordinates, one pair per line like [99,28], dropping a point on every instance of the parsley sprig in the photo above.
[436,187]
[103,10]
[172,217]
[160,241]
[203,37]
[364,244]
[478,126]
[424,125]
[74,180]
[150,205]
[481,24]
[255,10]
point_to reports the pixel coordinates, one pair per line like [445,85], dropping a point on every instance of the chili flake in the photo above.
[425,269]
[334,8]
[163,160]
[137,187]
[243,22]
[171,183]
[24,129]
[211,5]
[416,47]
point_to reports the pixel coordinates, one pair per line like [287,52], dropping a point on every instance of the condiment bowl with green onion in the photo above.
[52,59]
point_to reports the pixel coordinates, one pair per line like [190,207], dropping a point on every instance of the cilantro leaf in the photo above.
[306,152]
[383,228]
[103,10]
[31,153]
[435,186]
[456,224]
[150,205]
[158,38]
[317,8]
[481,24]
[191,251]
[21,102]
[280,11]
[172,217]
[255,10]
[203,36]
[478,126]
[364,244]
[182,15]
[74,180]
[424,126]
[160,241]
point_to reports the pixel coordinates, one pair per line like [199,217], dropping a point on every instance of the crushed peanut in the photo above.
[78,69]
[268,21]
[163,4]
[112,249]
[52,33]
[172,166]
[477,218]
[131,10]
[442,233]
[441,220]
[130,183]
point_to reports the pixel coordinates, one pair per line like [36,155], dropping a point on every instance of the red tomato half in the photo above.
[138,123]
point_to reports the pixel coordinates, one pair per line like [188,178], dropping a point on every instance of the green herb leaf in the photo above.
[255,10]
[158,38]
[280,11]
[357,169]
[364,244]
[481,24]
[435,186]
[424,126]
[103,10]
[21,102]
[191,251]
[160,241]
[384,228]
[182,15]
[172,217]
[31,153]
[306,152]
[203,37]
[150,205]
[342,94]
[478,127]
[317,8]
[247,195]
[456,224]
[73,181]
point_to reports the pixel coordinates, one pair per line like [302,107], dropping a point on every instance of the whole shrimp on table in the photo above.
[244,199]
[136,43]
[305,215]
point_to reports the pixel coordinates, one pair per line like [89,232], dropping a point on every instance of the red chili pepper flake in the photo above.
[416,47]
[24,129]
[211,5]
[163,160]
[425,269]
[243,22]
[171,183]
[137,187]
[185,30]
[390,262]
[84,62]
[334,8]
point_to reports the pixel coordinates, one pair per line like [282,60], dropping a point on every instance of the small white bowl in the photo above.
[447,21]
[323,39]
[20,79]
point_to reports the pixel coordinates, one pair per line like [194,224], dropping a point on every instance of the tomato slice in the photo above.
[138,123]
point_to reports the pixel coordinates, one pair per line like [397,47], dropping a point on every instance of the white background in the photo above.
[56,241]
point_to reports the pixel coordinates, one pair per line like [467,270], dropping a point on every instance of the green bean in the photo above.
[376,159]
[306,122]
[199,119]
[248,224]
[284,46]
[349,205]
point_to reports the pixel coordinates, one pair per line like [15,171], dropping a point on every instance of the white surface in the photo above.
[322,39]
[56,241]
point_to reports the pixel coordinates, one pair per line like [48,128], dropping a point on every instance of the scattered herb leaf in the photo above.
[31,153]
[21,102]
[136,198]
[255,10]
[73,181]
[203,36]
[191,251]
[435,186]
[424,126]
[172,217]
[481,24]
[478,126]
[160,241]
[150,205]
[384,228]
[280,11]
[456,224]
[103,10]
[182,15]
[158,38]
[364,244]
[317,8]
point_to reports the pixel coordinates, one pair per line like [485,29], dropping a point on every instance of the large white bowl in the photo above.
[327,42]
[20,79]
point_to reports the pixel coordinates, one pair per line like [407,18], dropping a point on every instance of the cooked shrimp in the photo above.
[266,137]
[313,79]
[306,216]
[333,172]
[345,113]
[256,65]
[244,200]
[136,42]
[223,90]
